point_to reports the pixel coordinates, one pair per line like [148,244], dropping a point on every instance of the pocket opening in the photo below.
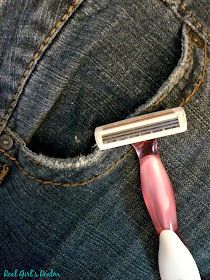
[95,157]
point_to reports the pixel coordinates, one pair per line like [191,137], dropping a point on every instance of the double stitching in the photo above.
[198,23]
[182,7]
[36,57]
[200,79]
[196,87]
[41,49]
[66,184]
[162,97]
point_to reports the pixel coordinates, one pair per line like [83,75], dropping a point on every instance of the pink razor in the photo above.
[175,260]
[156,187]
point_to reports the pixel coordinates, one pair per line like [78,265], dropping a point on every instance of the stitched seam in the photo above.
[30,67]
[200,79]
[161,98]
[65,184]
[196,87]
[152,107]
[183,7]
[19,141]
[199,24]
[36,57]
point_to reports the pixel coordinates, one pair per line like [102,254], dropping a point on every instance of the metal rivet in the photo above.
[6,142]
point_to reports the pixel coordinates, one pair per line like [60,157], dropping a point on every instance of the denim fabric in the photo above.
[67,67]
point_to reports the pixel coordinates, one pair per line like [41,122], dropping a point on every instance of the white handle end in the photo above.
[175,260]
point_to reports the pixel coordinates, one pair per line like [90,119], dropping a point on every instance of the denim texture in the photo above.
[67,67]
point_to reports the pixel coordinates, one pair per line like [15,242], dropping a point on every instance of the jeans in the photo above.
[67,67]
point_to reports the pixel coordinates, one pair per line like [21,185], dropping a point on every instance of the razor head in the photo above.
[141,128]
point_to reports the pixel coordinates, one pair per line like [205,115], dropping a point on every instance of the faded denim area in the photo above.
[67,68]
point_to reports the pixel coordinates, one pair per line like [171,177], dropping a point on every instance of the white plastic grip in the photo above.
[175,260]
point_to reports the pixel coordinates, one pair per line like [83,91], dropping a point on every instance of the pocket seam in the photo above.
[35,59]
[66,184]
[196,23]
[196,86]
[162,97]
[199,81]
[201,77]
[186,10]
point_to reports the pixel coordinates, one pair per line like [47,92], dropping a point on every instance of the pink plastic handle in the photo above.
[156,187]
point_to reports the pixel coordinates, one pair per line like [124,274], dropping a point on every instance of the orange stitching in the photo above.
[157,102]
[200,79]
[3,173]
[196,86]
[66,184]
[37,55]
[184,8]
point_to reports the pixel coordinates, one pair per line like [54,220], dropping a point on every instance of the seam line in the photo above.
[187,99]
[199,24]
[200,79]
[161,98]
[66,184]
[35,59]
[196,23]
[196,87]
[41,49]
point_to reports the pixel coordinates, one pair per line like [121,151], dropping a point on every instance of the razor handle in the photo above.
[156,187]
[175,260]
